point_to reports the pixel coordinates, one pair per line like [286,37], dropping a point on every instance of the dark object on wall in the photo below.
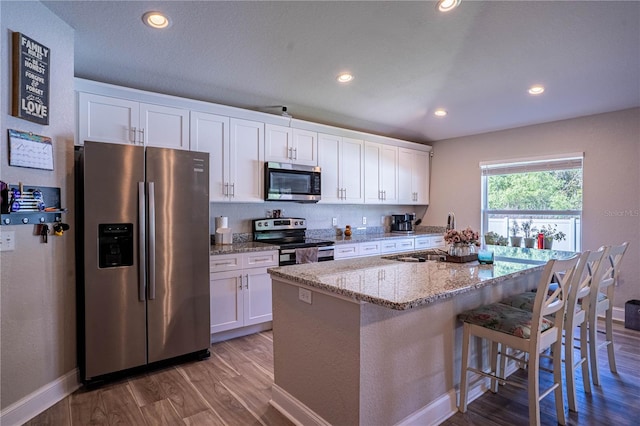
[27,205]
[632,314]
[30,79]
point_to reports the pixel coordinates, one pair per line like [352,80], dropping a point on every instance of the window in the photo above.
[542,192]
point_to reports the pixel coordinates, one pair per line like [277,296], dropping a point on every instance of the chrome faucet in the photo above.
[451,221]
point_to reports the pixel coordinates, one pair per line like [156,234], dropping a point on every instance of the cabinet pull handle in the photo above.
[134,131]
[289,155]
[224,264]
[295,153]
[141,131]
[240,278]
[233,190]
[225,190]
[246,286]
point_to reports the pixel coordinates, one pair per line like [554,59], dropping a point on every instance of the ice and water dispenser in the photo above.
[115,245]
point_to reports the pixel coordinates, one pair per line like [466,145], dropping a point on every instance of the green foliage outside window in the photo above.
[547,190]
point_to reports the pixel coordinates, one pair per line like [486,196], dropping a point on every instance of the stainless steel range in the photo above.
[290,235]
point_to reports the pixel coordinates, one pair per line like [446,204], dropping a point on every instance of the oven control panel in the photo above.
[279,224]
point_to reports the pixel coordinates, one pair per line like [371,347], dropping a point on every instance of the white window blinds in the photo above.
[532,164]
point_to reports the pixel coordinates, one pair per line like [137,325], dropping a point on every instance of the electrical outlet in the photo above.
[334,221]
[364,220]
[7,240]
[304,295]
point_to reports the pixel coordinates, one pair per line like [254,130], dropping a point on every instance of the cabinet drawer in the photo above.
[260,259]
[393,246]
[370,249]
[422,242]
[437,241]
[225,262]
[345,251]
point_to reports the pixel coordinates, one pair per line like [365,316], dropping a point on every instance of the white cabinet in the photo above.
[345,251]
[380,173]
[342,162]
[423,242]
[241,289]
[114,120]
[397,245]
[437,242]
[294,146]
[413,176]
[236,156]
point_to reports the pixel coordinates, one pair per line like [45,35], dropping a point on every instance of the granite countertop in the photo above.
[240,248]
[404,285]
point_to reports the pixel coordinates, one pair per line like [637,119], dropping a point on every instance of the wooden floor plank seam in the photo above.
[195,388]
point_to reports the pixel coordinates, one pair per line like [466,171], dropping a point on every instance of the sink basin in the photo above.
[420,256]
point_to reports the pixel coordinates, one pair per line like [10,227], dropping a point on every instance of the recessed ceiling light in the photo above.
[536,90]
[156,20]
[344,77]
[440,112]
[447,5]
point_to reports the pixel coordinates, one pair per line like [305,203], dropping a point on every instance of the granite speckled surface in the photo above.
[362,238]
[240,248]
[404,285]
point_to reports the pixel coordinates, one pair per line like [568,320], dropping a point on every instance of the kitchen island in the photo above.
[375,341]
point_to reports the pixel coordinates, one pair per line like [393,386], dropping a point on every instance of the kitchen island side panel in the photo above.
[316,352]
[362,364]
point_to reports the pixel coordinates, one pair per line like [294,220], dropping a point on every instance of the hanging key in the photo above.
[44,232]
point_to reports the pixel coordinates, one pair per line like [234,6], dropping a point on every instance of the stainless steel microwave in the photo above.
[291,182]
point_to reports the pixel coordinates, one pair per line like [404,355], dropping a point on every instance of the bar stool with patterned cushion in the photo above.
[601,302]
[587,276]
[528,332]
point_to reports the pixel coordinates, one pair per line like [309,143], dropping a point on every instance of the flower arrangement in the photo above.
[552,232]
[467,235]
[527,228]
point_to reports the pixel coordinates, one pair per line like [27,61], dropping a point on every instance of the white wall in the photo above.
[611,199]
[38,280]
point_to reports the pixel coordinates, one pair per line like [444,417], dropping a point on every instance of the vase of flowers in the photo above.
[551,233]
[516,240]
[462,243]
[528,230]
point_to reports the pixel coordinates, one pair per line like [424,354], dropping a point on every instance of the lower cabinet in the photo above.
[396,245]
[241,289]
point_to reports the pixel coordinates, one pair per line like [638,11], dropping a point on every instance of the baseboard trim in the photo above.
[431,415]
[618,315]
[40,400]
[241,332]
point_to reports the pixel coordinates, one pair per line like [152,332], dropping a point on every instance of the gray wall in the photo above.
[37,280]
[611,146]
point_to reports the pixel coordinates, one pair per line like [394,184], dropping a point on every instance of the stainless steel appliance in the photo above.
[290,235]
[142,256]
[291,182]
[402,223]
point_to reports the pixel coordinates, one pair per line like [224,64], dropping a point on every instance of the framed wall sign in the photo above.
[30,79]
[29,150]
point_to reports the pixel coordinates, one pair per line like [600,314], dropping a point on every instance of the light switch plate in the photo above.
[7,240]
[304,295]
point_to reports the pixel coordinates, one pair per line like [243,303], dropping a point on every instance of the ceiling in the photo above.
[477,61]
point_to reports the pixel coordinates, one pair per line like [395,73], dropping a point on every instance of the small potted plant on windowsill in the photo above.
[528,230]
[491,238]
[551,233]
[516,241]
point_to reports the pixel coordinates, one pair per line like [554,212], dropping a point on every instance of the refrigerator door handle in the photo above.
[142,276]
[152,241]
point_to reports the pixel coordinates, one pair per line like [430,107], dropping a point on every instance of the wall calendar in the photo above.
[29,150]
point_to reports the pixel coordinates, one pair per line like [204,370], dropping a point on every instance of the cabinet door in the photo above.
[226,301]
[305,147]
[165,127]
[257,296]
[406,192]
[372,158]
[422,243]
[389,174]
[246,161]
[345,251]
[352,170]
[329,161]
[106,119]
[210,133]
[397,245]
[420,182]
[278,145]
[371,248]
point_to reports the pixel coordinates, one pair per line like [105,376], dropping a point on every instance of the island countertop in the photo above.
[398,285]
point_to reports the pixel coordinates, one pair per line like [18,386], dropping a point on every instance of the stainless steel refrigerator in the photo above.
[142,256]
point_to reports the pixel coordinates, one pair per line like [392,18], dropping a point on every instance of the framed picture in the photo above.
[30,79]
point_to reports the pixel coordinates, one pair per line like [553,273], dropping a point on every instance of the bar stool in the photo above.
[586,279]
[529,332]
[601,302]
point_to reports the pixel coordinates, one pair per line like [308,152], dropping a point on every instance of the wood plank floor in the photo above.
[233,387]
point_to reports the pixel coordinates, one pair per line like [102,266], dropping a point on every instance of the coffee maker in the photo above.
[402,223]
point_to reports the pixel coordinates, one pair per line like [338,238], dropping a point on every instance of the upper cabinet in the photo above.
[413,176]
[288,145]
[236,156]
[380,173]
[341,160]
[109,119]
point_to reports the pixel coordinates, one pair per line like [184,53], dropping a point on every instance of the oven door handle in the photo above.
[326,248]
[287,251]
